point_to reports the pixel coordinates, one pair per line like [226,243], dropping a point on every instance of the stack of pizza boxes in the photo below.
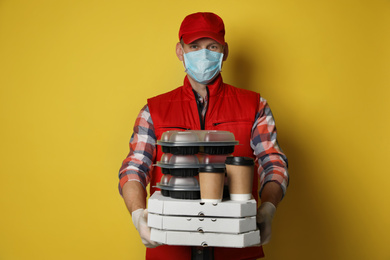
[178,215]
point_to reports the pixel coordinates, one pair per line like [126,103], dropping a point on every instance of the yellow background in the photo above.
[74,74]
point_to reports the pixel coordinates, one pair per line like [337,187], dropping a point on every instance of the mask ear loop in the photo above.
[221,62]
[185,68]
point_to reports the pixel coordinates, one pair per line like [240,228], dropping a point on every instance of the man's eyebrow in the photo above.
[213,43]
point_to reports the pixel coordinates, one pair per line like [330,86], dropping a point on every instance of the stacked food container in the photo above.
[187,151]
[178,215]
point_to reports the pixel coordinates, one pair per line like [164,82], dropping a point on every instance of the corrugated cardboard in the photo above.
[159,204]
[202,224]
[205,239]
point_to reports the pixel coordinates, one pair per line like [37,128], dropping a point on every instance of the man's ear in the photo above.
[179,51]
[225,51]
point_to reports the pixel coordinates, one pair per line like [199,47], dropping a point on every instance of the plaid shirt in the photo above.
[139,162]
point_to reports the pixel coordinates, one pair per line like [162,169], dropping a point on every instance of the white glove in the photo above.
[140,221]
[264,217]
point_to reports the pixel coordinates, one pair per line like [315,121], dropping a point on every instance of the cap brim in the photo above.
[191,37]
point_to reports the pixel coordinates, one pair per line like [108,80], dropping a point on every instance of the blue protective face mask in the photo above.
[203,65]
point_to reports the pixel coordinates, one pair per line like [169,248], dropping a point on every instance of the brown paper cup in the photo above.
[211,181]
[239,172]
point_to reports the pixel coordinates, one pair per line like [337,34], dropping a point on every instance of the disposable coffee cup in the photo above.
[211,181]
[239,172]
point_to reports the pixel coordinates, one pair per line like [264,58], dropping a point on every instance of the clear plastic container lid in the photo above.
[173,161]
[197,138]
[179,183]
[165,179]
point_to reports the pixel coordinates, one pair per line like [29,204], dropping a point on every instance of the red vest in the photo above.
[230,109]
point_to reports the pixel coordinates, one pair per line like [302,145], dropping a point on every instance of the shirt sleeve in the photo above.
[272,161]
[139,162]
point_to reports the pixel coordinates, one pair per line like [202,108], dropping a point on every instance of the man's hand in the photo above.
[265,215]
[140,221]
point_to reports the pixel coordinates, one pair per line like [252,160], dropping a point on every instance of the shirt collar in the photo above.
[214,88]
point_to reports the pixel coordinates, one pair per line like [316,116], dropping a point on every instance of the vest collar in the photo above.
[214,88]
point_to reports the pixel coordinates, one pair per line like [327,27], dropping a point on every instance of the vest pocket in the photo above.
[242,130]
[171,128]
[232,122]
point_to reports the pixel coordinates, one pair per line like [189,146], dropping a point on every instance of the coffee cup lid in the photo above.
[210,168]
[235,160]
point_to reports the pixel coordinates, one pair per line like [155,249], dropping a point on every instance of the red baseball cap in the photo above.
[202,25]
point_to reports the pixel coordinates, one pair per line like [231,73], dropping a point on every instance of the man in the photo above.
[204,102]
